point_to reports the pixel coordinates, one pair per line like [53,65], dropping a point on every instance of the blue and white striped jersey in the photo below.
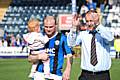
[63,49]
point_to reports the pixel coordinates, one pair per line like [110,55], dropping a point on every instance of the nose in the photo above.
[48,28]
[88,23]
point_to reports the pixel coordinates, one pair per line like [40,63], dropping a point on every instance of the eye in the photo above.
[49,26]
[86,20]
[46,26]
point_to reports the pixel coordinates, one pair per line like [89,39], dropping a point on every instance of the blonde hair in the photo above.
[32,24]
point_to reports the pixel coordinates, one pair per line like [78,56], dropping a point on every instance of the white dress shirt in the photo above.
[103,37]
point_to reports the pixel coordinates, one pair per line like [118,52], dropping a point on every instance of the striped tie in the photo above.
[93,51]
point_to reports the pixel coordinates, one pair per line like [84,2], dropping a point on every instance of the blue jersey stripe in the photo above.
[61,53]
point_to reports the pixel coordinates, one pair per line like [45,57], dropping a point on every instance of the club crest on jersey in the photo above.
[57,42]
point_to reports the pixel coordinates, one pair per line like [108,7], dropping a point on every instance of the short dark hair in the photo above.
[51,17]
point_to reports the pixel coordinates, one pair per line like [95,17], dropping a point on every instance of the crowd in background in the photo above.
[108,9]
[12,41]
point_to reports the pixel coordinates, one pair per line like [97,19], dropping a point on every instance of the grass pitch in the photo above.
[18,69]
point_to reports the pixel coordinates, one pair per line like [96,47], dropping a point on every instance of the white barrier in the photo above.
[13,52]
[6,52]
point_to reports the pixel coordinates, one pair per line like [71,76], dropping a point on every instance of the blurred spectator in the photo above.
[0,43]
[5,35]
[117,46]
[23,44]
[98,2]
[5,43]
[18,40]
[80,3]
[103,5]
[84,9]
[116,2]
[13,40]
[90,4]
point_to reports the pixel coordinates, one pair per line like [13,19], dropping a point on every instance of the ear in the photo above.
[57,28]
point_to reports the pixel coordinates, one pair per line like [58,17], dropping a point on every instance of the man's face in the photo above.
[89,20]
[50,28]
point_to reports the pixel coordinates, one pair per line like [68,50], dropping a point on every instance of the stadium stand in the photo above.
[3,7]
[20,11]
[14,15]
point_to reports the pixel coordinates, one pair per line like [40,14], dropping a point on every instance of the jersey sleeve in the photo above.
[67,49]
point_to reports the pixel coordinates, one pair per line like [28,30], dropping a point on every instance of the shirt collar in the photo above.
[53,35]
[93,32]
